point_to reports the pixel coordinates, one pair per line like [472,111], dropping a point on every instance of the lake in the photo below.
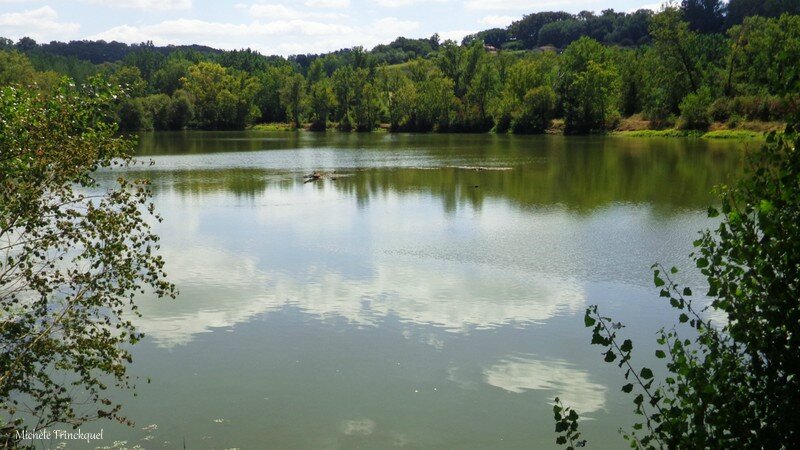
[429,293]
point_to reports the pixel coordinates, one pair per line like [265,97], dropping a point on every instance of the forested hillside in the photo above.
[687,66]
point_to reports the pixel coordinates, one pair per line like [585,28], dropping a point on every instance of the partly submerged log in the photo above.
[316,175]
[319,175]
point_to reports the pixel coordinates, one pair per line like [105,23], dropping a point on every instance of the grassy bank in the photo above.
[272,127]
[636,126]
[718,134]
[628,127]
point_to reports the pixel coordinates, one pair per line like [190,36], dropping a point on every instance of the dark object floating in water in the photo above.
[319,175]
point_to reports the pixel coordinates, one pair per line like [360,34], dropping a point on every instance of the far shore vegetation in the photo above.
[698,68]
[76,253]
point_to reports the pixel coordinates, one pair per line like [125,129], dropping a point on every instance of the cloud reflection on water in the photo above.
[573,386]
[221,289]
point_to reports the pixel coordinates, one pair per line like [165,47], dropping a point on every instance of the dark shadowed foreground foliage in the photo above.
[72,256]
[732,384]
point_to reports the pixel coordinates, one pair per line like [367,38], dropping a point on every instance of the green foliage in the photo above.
[561,28]
[222,100]
[293,97]
[657,133]
[428,100]
[267,96]
[765,54]
[181,110]
[15,68]
[483,87]
[567,426]
[695,110]
[527,28]
[561,33]
[167,79]
[733,134]
[680,62]
[132,115]
[494,37]
[366,107]
[532,79]
[705,16]
[321,102]
[730,384]
[161,112]
[631,80]
[589,86]
[343,80]
[738,10]
[537,111]
[130,79]
[146,60]
[670,64]
[74,254]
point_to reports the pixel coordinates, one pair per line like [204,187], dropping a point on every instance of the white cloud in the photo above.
[658,6]
[390,26]
[530,6]
[275,11]
[130,34]
[293,34]
[497,21]
[455,35]
[150,5]
[400,3]
[327,3]
[191,29]
[35,23]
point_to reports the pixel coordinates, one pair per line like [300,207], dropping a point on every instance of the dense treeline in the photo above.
[683,71]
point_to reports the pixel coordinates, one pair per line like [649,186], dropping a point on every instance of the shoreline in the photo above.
[754,130]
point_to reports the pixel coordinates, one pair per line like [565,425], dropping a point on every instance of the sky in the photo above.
[274,27]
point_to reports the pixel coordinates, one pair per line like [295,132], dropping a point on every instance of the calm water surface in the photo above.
[431,296]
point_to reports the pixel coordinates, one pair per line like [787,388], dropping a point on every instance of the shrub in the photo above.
[75,255]
[720,109]
[133,116]
[734,121]
[537,111]
[694,110]
[181,110]
[736,383]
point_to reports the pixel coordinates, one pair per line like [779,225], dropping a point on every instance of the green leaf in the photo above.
[657,280]
[588,320]
[660,354]
[627,388]
[646,373]
[610,356]
[627,345]
[766,207]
